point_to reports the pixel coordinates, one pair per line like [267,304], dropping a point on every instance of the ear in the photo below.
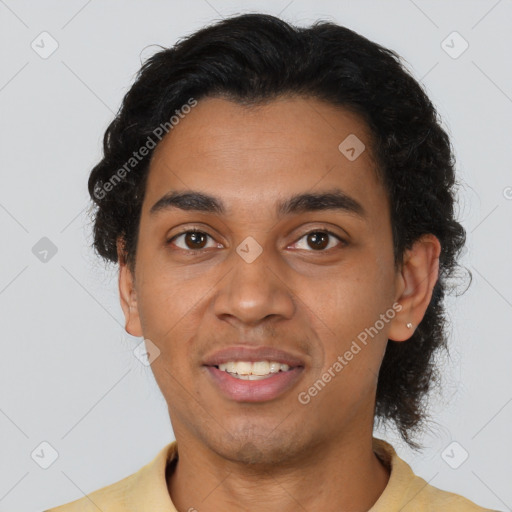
[127,293]
[415,283]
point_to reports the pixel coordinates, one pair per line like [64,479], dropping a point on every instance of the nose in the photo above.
[254,292]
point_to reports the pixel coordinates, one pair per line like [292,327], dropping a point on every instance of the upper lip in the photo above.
[252,354]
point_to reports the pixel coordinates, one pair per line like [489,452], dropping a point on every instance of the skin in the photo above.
[310,302]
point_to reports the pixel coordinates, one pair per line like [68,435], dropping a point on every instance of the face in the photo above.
[251,275]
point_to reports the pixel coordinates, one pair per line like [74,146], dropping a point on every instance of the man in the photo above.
[280,203]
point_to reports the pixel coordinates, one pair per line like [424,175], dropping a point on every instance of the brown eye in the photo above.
[195,240]
[190,240]
[318,240]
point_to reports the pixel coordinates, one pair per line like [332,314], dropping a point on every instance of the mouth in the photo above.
[247,370]
[246,374]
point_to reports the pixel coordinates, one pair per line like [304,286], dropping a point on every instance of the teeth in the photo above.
[243,368]
[249,377]
[274,367]
[253,371]
[261,368]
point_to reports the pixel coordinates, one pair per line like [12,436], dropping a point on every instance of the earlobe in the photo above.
[128,295]
[415,283]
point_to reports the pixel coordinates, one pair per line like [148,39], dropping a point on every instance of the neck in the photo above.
[333,476]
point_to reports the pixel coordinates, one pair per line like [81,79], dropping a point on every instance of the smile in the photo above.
[250,387]
[247,370]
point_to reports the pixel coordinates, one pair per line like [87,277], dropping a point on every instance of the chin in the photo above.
[266,448]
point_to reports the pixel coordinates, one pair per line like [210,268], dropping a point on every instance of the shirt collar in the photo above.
[148,490]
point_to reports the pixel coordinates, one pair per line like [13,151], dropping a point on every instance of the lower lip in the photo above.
[261,390]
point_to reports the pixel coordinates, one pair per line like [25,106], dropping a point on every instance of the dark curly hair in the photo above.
[254,58]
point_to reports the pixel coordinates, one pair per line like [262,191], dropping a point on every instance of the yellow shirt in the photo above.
[146,490]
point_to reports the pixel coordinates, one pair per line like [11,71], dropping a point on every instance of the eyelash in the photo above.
[196,251]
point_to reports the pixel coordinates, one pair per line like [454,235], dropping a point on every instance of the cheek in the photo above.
[167,301]
[169,309]
[351,303]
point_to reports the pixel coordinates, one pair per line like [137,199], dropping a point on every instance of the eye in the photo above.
[320,240]
[191,240]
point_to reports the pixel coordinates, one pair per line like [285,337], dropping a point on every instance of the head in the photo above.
[316,152]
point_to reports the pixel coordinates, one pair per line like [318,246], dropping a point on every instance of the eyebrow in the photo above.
[334,199]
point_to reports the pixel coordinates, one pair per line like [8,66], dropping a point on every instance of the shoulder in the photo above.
[105,499]
[423,496]
[408,492]
[131,491]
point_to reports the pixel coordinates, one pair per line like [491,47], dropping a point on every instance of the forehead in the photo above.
[256,156]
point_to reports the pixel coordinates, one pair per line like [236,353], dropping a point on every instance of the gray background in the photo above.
[68,375]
